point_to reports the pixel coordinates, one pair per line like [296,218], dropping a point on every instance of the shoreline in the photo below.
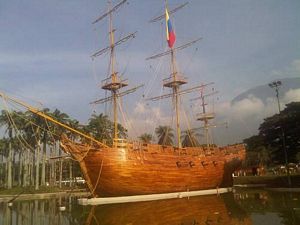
[46,195]
[267,181]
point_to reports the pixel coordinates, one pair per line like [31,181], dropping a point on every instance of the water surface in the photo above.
[244,206]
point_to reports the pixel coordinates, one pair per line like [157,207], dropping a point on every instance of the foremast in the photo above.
[114,82]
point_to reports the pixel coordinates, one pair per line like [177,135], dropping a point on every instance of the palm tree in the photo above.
[29,159]
[165,135]
[3,144]
[19,121]
[190,139]
[74,124]
[45,140]
[100,127]
[122,131]
[63,118]
[5,120]
[37,133]
[34,135]
[146,138]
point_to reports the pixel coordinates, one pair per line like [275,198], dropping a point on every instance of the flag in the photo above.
[169,30]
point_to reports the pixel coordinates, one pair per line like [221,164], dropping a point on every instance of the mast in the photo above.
[175,88]
[175,80]
[113,74]
[205,116]
[114,82]
[205,119]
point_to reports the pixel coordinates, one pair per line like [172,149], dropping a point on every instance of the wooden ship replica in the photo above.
[134,168]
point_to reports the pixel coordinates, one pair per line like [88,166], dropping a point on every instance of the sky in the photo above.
[45,49]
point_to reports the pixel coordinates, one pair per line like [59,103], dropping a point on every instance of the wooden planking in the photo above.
[148,169]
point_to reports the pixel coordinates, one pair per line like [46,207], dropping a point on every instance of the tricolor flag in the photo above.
[170,32]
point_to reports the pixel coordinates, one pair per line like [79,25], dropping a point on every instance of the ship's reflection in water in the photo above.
[242,207]
[196,210]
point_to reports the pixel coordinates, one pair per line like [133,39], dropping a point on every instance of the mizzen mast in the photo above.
[205,116]
[114,82]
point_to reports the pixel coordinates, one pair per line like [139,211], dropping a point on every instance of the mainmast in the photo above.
[114,82]
[174,82]
[176,79]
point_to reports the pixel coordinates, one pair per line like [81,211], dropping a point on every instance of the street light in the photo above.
[275,85]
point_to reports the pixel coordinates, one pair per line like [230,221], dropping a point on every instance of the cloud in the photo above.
[292,95]
[245,116]
[249,106]
[146,118]
[291,70]
[296,65]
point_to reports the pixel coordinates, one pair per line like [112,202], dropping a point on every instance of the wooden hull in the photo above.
[148,169]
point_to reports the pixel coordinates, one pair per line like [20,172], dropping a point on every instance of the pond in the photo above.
[243,206]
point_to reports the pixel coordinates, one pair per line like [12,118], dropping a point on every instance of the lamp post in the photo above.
[276,85]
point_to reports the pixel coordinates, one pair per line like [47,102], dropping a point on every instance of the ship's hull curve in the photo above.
[152,169]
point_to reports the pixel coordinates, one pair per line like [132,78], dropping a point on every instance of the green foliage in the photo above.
[165,135]
[29,138]
[190,138]
[268,144]
[298,157]
[102,128]
[146,138]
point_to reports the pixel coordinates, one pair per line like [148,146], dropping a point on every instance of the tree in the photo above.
[19,121]
[58,130]
[6,121]
[284,125]
[269,142]
[190,139]
[146,138]
[298,157]
[102,128]
[36,142]
[3,146]
[75,125]
[165,135]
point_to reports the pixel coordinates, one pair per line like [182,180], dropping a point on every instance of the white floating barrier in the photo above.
[151,197]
